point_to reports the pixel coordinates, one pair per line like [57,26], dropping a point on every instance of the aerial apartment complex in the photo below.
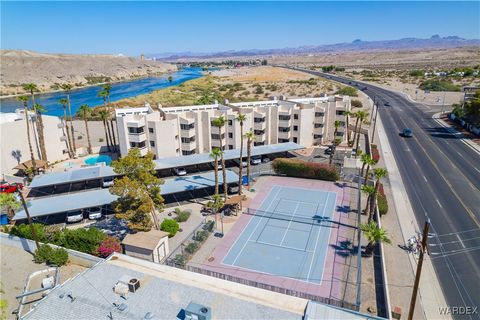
[186,130]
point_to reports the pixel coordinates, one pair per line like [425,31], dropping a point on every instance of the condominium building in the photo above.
[185,130]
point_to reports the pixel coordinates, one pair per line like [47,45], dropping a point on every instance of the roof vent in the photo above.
[195,311]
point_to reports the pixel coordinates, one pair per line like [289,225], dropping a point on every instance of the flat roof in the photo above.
[145,240]
[99,197]
[99,172]
[164,293]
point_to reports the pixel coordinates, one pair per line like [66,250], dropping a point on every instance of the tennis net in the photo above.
[316,219]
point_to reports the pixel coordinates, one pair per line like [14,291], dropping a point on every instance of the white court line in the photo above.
[255,229]
[279,246]
[316,241]
[289,223]
[297,201]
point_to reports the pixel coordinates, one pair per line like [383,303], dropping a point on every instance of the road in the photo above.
[442,179]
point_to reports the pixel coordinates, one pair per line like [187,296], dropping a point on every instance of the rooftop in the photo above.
[147,240]
[164,293]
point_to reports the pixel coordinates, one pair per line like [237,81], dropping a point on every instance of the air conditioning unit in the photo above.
[195,311]
[132,283]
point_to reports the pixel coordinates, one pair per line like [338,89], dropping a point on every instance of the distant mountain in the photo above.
[433,42]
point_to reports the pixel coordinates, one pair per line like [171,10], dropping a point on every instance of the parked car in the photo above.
[74,216]
[6,187]
[266,159]
[255,160]
[233,188]
[387,104]
[108,182]
[94,213]
[407,133]
[180,171]
[244,163]
[330,150]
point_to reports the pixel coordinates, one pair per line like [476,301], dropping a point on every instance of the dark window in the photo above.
[152,143]
[139,145]
[150,130]
[318,125]
[259,143]
[133,130]
[230,135]
[216,136]
[230,122]
[281,117]
[230,146]
[317,136]
[187,126]
[259,132]
[295,128]
[258,120]
[295,116]
[283,140]
[294,139]
[340,112]
[188,152]
[188,140]
[283,129]
[319,114]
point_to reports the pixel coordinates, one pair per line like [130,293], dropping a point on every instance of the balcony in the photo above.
[284,135]
[284,123]
[189,146]
[259,125]
[141,137]
[136,123]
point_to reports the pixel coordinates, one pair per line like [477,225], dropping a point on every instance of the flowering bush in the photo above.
[108,246]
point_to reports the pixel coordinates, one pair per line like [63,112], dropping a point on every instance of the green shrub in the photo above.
[83,240]
[303,169]
[182,216]
[439,85]
[180,260]
[347,91]
[192,247]
[416,73]
[171,226]
[382,204]
[52,256]
[209,226]
[357,104]
[201,235]
[42,254]
[24,231]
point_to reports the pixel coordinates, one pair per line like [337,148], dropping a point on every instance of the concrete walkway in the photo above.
[430,293]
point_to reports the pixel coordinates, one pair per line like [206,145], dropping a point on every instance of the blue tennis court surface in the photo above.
[287,235]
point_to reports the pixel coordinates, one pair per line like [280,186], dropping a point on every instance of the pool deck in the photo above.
[334,264]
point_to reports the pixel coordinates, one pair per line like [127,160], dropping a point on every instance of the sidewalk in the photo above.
[401,225]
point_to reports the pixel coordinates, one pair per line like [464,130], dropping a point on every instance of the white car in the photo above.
[94,213]
[244,163]
[180,171]
[256,160]
[74,216]
[107,182]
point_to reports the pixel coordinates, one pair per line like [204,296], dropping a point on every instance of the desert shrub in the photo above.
[258,90]
[416,73]
[192,247]
[182,216]
[439,85]
[51,232]
[180,260]
[209,226]
[347,91]
[24,231]
[201,236]
[382,204]
[303,169]
[357,104]
[83,240]
[108,246]
[52,256]
[171,226]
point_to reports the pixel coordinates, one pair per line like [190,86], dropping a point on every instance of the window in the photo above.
[295,139]
[216,136]
[283,140]
[317,136]
[295,117]
[295,128]
[318,125]
[319,114]
[139,145]
[258,120]
[340,112]
[152,143]
[230,146]
[281,117]
[230,135]
[188,152]
[283,129]
[188,140]
[133,130]
[259,132]
[187,126]
[259,143]
[150,130]
[230,122]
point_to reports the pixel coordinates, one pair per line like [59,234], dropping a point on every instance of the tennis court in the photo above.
[287,235]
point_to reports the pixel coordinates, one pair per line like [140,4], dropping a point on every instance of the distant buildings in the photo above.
[186,130]
[14,148]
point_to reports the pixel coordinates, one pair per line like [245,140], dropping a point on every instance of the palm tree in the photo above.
[361,115]
[220,123]
[379,174]
[85,113]
[107,88]
[241,118]
[374,234]
[337,124]
[104,116]
[64,103]
[370,190]
[32,88]
[9,204]
[68,88]
[347,121]
[369,162]
[250,135]
[24,100]
[103,94]
[215,155]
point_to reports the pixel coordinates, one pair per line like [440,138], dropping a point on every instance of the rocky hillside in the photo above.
[49,71]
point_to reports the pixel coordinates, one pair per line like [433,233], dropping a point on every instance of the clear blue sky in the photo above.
[132,28]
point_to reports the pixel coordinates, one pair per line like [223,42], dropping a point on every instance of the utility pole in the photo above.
[32,229]
[419,269]
[375,123]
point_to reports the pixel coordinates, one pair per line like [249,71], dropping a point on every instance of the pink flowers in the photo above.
[108,246]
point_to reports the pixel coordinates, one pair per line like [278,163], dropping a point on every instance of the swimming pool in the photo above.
[98,159]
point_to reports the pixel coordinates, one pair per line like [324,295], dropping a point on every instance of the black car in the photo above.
[407,133]
[330,150]
[387,104]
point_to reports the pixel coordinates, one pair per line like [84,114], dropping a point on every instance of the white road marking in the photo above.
[460,155]
[477,170]
[463,245]
[415,161]
[439,203]
[424,178]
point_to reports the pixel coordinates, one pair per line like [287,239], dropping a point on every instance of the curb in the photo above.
[475,147]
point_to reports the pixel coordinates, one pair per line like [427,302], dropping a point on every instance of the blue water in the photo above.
[89,95]
[101,158]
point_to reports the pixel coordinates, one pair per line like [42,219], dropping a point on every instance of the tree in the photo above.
[171,226]
[104,116]
[379,174]
[32,88]
[64,103]
[104,95]
[361,116]
[347,122]
[85,112]
[107,88]
[24,100]
[374,234]
[220,123]
[138,190]
[369,190]
[241,118]
[68,89]
[250,140]
[9,203]
[215,155]
[216,204]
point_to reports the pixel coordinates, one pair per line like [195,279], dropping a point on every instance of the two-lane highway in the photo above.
[442,179]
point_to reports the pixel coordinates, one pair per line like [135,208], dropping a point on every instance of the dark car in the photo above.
[407,133]
[387,104]
[330,150]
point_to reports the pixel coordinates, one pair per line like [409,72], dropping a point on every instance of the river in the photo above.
[89,95]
